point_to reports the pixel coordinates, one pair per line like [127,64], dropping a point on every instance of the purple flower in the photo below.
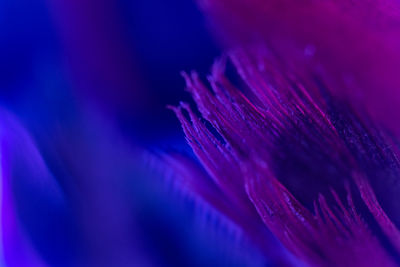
[298,161]
[298,137]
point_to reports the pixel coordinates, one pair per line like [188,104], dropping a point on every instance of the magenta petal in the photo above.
[283,144]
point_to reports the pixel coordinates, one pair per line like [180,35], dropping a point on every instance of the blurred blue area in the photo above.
[39,84]
[164,37]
